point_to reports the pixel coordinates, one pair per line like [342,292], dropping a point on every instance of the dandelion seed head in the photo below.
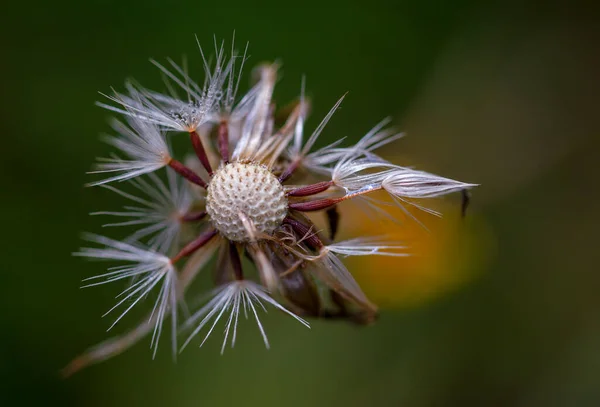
[234,198]
[250,189]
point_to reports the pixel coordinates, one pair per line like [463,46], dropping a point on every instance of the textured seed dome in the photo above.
[250,189]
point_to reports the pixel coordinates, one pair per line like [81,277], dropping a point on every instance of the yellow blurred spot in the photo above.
[446,252]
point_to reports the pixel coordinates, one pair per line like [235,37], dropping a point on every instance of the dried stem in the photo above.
[289,171]
[194,245]
[109,348]
[333,218]
[310,189]
[320,204]
[193,216]
[236,262]
[187,173]
[312,206]
[200,151]
[223,140]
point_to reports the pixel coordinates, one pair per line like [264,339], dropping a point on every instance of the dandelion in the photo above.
[259,179]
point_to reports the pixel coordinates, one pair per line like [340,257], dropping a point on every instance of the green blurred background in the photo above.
[501,94]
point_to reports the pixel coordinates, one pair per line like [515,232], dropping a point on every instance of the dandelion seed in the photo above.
[162,211]
[168,111]
[150,269]
[231,298]
[142,143]
[408,183]
[321,161]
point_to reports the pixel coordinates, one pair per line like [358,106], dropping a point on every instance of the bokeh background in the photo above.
[501,309]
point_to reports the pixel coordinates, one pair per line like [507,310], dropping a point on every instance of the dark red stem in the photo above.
[236,262]
[193,216]
[289,170]
[333,217]
[223,140]
[325,203]
[187,173]
[194,245]
[317,205]
[310,189]
[200,151]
